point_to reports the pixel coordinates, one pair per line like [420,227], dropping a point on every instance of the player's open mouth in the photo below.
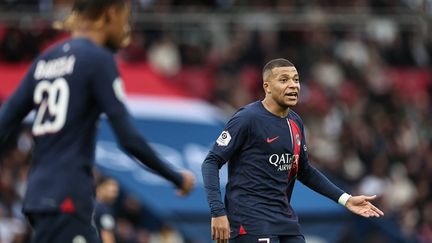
[292,95]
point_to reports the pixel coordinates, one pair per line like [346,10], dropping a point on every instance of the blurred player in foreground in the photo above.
[107,190]
[69,86]
[265,145]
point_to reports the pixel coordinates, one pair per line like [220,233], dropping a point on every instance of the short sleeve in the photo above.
[233,136]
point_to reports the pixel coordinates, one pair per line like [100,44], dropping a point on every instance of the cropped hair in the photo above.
[279,62]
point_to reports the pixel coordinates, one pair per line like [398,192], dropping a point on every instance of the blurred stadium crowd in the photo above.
[366,89]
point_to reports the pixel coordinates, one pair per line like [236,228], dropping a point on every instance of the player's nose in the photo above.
[293,84]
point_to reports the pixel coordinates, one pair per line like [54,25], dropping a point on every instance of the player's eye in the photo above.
[283,80]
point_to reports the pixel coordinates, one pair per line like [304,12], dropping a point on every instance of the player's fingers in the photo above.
[372,213]
[377,210]
[375,214]
[365,213]
[370,198]
[217,233]
[222,240]
[213,232]
[226,233]
[222,234]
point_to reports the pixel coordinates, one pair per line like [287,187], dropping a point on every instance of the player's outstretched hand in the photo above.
[188,183]
[220,229]
[362,206]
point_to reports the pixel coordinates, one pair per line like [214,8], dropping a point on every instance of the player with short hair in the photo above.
[265,146]
[69,86]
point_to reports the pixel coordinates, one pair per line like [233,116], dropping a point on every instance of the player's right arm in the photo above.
[16,108]
[229,141]
[108,92]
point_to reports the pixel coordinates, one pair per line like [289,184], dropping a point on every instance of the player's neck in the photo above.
[274,108]
[94,36]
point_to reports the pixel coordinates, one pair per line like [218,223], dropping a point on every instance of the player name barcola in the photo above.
[54,68]
[283,162]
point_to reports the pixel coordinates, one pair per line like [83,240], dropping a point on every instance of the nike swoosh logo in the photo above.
[270,140]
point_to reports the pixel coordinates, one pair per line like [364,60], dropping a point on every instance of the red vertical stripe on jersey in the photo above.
[296,138]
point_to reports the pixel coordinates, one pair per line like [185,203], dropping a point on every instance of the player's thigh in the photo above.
[57,227]
[292,239]
[255,239]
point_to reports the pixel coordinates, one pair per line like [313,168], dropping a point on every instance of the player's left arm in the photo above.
[13,111]
[314,179]
[109,94]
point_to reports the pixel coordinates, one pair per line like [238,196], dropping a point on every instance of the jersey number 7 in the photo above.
[53,101]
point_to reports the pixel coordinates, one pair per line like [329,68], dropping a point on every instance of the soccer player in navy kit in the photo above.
[69,86]
[265,147]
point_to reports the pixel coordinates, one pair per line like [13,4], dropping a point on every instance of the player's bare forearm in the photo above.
[362,206]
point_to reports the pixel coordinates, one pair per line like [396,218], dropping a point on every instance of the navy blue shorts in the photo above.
[268,239]
[61,228]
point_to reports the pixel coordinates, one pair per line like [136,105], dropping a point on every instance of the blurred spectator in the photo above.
[107,190]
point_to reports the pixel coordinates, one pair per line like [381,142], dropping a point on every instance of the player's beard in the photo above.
[115,46]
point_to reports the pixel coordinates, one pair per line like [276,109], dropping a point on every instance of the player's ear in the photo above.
[266,87]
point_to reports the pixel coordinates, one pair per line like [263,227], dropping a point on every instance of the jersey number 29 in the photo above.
[53,100]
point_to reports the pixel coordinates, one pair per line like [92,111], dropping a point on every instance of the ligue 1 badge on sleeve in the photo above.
[119,90]
[224,139]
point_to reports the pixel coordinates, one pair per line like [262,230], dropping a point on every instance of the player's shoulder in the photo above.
[91,50]
[81,48]
[296,117]
[247,112]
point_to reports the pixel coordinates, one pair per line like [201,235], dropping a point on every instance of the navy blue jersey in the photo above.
[69,86]
[104,217]
[265,155]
